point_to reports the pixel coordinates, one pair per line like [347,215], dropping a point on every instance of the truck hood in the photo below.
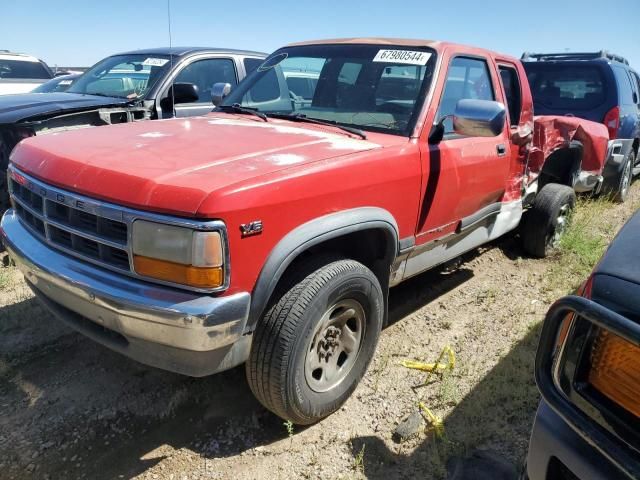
[15,108]
[171,166]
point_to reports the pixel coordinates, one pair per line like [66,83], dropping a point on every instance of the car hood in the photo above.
[15,108]
[171,166]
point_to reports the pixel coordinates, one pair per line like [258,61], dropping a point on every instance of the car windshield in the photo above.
[369,87]
[124,76]
[23,68]
[59,84]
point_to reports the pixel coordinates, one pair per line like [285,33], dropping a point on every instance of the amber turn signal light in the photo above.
[615,370]
[197,277]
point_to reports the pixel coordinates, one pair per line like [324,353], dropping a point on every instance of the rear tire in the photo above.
[618,187]
[545,222]
[314,345]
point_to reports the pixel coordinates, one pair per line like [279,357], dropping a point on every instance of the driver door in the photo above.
[467,175]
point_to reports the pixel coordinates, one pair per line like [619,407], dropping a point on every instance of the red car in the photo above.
[271,230]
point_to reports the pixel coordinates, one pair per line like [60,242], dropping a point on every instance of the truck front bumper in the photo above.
[185,332]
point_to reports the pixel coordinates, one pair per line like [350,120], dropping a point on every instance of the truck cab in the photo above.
[270,230]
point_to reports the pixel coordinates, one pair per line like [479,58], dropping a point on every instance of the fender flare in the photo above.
[313,233]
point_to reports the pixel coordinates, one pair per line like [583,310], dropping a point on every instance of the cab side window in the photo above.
[512,91]
[467,78]
[250,64]
[205,73]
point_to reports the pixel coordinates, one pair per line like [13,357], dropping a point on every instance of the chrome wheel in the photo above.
[626,180]
[562,220]
[334,345]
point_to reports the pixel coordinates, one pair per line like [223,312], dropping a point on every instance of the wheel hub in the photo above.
[334,345]
[562,221]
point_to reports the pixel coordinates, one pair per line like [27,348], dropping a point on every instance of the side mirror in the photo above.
[472,118]
[479,118]
[183,93]
[219,91]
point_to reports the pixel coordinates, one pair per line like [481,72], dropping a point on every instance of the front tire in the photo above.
[546,221]
[314,345]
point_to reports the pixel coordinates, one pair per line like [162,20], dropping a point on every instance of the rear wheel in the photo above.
[546,221]
[314,345]
[618,187]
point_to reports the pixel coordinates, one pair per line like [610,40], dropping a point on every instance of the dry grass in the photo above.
[499,403]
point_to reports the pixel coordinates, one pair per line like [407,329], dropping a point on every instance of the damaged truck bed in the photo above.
[568,150]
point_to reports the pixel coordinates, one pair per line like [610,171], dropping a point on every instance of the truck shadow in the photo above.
[86,409]
[499,408]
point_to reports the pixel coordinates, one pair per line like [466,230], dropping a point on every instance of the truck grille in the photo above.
[55,216]
[91,230]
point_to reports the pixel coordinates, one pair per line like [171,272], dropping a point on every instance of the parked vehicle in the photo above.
[60,83]
[20,73]
[128,87]
[588,371]
[601,87]
[271,230]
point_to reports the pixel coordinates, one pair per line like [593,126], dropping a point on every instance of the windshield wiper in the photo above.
[237,108]
[301,117]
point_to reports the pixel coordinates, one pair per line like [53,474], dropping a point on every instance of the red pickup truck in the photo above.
[270,231]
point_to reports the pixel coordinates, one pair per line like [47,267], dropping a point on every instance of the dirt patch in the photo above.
[72,409]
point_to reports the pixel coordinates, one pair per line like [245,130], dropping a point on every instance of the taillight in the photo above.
[612,122]
[615,370]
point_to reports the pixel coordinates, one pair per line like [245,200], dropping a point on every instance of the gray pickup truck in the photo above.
[132,86]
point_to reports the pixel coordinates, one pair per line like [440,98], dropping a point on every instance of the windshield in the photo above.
[23,69]
[370,87]
[59,84]
[124,76]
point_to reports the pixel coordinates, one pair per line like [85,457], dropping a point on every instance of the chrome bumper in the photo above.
[181,331]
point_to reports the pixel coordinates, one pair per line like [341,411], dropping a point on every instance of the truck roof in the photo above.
[182,51]
[404,42]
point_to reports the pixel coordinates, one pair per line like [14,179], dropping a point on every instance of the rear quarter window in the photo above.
[625,90]
[567,87]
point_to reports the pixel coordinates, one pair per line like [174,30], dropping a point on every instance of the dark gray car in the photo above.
[132,86]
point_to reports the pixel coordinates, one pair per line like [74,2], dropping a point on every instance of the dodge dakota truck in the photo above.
[270,231]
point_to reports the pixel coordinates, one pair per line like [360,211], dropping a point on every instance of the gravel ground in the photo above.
[72,409]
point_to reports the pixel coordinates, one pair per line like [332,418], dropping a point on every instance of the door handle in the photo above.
[501,149]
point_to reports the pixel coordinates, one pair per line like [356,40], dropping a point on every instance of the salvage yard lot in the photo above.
[70,408]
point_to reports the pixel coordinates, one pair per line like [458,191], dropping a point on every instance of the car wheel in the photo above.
[626,177]
[617,188]
[314,345]
[546,221]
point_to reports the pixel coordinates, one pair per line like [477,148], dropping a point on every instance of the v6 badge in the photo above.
[252,228]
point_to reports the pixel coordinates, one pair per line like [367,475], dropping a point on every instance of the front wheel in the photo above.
[314,345]
[546,221]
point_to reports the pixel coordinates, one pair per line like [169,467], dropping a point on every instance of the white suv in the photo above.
[21,73]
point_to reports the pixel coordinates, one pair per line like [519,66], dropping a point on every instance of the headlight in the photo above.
[178,254]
